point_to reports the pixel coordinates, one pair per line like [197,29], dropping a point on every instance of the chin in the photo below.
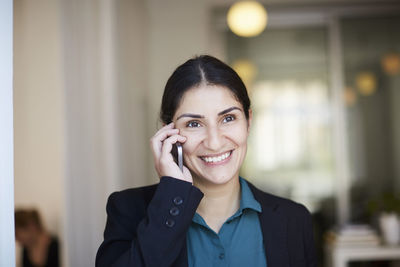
[215,179]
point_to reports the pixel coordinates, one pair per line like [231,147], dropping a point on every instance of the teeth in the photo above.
[216,159]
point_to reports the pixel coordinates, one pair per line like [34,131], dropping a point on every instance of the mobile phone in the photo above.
[177,153]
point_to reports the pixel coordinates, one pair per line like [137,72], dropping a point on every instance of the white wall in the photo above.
[104,73]
[39,113]
[80,127]
[131,59]
[7,249]
[38,106]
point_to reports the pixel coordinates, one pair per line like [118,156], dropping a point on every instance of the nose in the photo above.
[214,139]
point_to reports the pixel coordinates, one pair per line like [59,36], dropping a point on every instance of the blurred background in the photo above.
[323,77]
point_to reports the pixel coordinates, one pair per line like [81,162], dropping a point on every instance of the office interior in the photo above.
[323,78]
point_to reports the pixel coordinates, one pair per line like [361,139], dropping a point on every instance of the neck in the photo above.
[219,201]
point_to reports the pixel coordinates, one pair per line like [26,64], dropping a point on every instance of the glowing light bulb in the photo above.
[391,63]
[366,83]
[247,18]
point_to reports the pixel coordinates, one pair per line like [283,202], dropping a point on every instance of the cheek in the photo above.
[192,142]
[244,137]
[238,134]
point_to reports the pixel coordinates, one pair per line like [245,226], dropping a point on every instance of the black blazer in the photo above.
[147,226]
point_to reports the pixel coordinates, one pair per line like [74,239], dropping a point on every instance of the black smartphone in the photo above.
[177,153]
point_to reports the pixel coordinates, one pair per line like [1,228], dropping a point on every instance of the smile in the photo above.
[217,159]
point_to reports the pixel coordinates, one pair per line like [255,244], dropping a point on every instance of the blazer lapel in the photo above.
[274,229]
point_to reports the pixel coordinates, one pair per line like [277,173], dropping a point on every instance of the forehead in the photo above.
[207,97]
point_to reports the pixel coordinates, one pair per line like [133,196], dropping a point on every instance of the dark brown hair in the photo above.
[201,69]
[26,217]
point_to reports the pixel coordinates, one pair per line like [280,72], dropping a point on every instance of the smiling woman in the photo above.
[216,132]
[205,215]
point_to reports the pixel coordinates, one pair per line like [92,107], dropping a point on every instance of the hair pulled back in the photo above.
[201,69]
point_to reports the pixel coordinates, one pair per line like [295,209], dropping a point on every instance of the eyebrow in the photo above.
[190,115]
[228,110]
[197,116]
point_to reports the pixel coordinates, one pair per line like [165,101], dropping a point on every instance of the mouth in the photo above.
[217,158]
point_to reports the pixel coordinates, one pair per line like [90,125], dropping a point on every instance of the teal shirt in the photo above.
[238,243]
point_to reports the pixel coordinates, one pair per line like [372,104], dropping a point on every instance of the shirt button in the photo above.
[170,223]
[174,211]
[221,256]
[178,200]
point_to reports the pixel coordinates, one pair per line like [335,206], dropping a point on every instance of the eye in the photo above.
[229,118]
[193,124]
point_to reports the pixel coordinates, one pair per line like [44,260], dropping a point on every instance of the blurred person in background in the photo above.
[40,248]
[205,214]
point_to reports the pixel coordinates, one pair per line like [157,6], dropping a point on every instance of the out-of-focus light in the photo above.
[247,18]
[391,63]
[366,83]
[350,96]
[246,70]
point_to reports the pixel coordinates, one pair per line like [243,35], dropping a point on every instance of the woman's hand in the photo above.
[161,145]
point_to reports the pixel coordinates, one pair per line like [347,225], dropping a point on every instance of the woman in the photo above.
[40,248]
[205,215]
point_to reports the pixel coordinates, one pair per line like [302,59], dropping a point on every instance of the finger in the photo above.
[160,136]
[165,163]
[168,126]
[157,140]
[161,132]
[167,144]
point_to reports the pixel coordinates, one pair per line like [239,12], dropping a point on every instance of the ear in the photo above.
[249,120]
[165,124]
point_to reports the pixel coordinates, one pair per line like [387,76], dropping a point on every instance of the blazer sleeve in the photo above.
[136,235]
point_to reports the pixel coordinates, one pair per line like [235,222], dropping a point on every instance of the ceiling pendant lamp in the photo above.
[247,18]
[366,83]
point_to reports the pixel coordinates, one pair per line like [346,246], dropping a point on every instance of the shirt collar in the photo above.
[247,201]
